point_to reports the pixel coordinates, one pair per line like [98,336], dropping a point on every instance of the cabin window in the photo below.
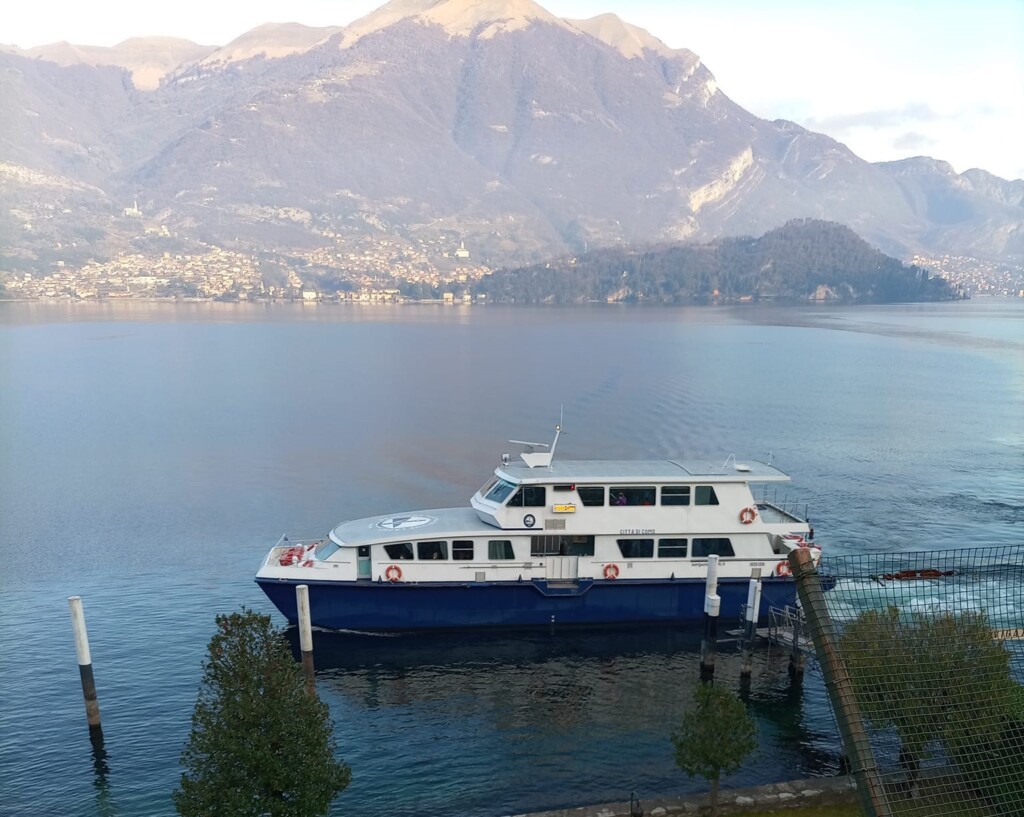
[499,491]
[712,547]
[432,550]
[528,496]
[705,495]
[632,495]
[544,545]
[563,487]
[636,548]
[671,548]
[328,547]
[675,495]
[591,495]
[400,551]
[500,549]
[581,545]
[462,549]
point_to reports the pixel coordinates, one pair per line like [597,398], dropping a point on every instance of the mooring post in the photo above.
[306,637]
[712,606]
[750,624]
[92,705]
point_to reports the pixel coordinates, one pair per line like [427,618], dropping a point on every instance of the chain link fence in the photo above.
[923,658]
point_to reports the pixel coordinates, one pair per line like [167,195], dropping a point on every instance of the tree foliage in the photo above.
[941,680]
[717,733]
[260,745]
[801,260]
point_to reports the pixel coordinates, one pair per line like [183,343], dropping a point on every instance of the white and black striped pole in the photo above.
[92,705]
[306,637]
[750,620]
[712,606]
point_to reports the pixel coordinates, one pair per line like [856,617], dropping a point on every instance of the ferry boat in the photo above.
[553,542]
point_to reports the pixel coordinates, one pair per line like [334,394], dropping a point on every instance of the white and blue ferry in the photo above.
[548,541]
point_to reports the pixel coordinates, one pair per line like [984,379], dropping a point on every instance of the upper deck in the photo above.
[640,471]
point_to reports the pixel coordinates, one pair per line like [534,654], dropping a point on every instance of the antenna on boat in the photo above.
[539,458]
[739,466]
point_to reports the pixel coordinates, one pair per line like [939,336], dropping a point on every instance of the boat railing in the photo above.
[286,542]
[785,623]
[784,505]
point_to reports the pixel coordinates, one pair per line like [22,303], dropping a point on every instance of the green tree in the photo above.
[941,679]
[260,745]
[715,736]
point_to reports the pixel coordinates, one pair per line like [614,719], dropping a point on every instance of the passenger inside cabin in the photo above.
[621,499]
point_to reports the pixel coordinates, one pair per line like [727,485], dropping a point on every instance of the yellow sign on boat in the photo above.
[570,508]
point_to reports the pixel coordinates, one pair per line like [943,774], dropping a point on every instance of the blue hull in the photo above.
[376,606]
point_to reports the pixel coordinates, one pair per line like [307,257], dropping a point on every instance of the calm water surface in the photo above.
[151,453]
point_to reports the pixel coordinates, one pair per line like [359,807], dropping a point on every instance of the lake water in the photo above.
[150,454]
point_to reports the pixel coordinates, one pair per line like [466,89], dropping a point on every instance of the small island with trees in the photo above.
[804,260]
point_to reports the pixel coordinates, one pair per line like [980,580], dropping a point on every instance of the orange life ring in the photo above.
[748,515]
[393,573]
[611,571]
[783,568]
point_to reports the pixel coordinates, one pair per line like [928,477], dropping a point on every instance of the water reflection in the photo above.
[101,774]
[595,704]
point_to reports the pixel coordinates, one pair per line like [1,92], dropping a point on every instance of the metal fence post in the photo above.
[837,683]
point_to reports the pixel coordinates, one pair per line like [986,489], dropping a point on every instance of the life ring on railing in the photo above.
[748,515]
[611,571]
[783,568]
[393,573]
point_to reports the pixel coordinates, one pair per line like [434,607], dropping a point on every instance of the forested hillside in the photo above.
[803,260]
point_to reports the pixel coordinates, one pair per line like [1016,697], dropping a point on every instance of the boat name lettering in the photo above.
[635,531]
[567,508]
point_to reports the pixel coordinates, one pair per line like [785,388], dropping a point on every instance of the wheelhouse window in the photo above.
[632,495]
[705,495]
[499,491]
[591,495]
[328,547]
[432,550]
[712,547]
[636,548]
[675,495]
[462,549]
[397,552]
[671,548]
[498,549]
[528,496]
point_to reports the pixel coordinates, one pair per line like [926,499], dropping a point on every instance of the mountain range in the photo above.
[489,121]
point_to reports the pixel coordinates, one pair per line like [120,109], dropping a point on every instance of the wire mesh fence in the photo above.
[923,657]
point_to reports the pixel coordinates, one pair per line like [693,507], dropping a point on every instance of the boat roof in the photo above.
[639,471]
[441,523]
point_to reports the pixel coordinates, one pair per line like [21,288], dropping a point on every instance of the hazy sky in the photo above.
[890,78]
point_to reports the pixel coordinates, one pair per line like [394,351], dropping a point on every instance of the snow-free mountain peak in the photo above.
[629,40]
[459,18]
